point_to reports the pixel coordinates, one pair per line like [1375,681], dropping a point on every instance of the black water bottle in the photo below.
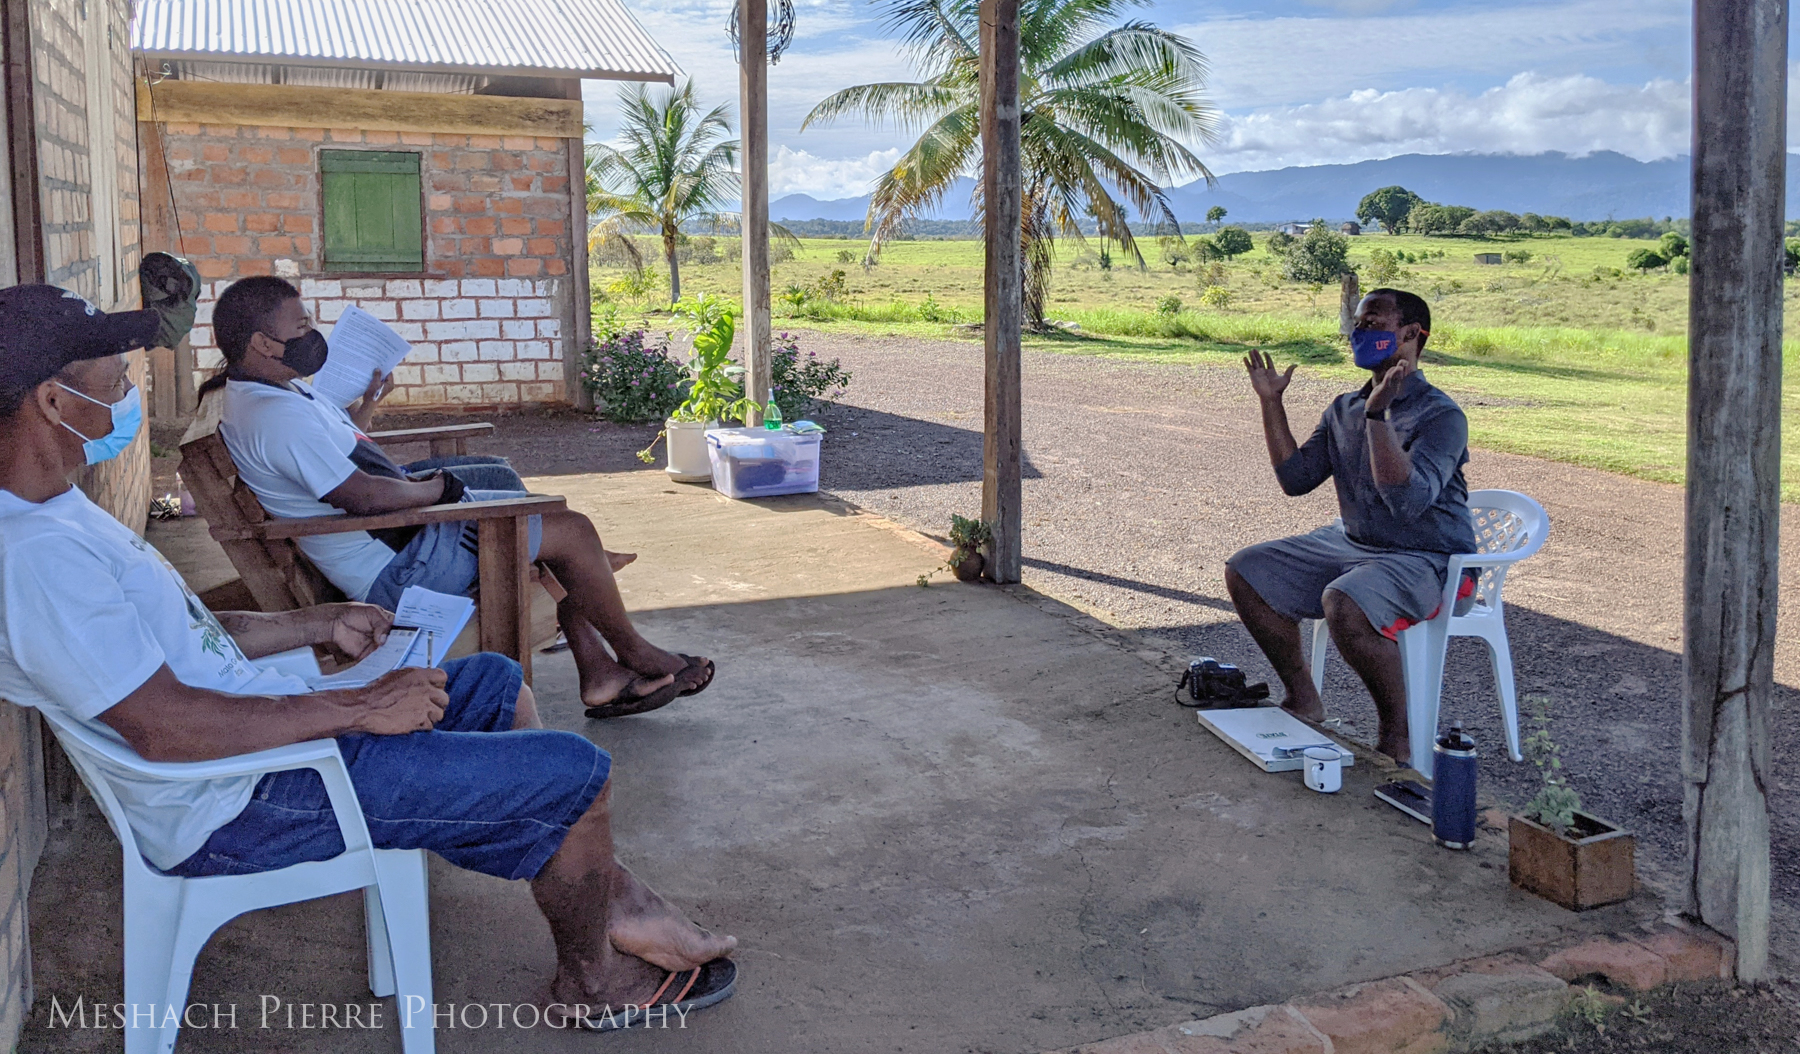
[1453,790]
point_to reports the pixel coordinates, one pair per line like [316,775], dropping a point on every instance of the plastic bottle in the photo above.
[1453,790]
[772,416]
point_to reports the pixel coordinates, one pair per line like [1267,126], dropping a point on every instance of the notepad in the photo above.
[384,660]
[438,617]
[1258,732]
[360,345]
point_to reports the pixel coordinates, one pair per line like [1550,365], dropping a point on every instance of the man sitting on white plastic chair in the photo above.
[98,628]
[1395,449]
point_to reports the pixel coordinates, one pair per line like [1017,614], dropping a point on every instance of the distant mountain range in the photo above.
[1598,186]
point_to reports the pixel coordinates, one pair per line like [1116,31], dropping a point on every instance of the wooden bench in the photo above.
[516,609]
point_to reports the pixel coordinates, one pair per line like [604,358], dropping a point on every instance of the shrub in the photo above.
[1169,305]
[1233,241]
[632,377]
[1213,275]
[846,256]
[1384,267]
[1645,260]
[799,384]
[1320,256]
[1673,245]
[1518,256]
[1216,297]
[1679,265]
[1279,243]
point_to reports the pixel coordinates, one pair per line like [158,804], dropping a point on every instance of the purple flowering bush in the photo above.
[801,382]
[633,377]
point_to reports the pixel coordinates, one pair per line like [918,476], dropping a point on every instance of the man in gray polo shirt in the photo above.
[1395,449]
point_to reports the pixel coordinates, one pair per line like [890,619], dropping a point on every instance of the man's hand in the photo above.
[1268,382]
[379,387]
[1382,395]
[356,629]
[408,700]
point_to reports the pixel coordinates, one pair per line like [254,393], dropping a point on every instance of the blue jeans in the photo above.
[479,795]
[442,557]
[477,471]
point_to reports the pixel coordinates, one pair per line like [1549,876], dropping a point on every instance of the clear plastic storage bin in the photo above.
[760,463]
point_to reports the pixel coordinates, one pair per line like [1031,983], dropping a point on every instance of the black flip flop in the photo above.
[693,663]
[682,993]
[639,704]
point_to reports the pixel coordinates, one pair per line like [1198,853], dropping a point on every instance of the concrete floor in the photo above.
[950,819]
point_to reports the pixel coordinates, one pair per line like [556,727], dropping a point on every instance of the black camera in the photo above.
[1210,682]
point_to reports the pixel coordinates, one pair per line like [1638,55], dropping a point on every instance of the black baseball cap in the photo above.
[44,328]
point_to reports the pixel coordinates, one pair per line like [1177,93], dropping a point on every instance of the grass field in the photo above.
[1561,356]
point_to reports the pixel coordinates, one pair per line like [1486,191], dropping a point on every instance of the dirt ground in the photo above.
[1141,479]
[1692,1018]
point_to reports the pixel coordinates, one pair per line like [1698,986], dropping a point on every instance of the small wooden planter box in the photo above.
[1594,864]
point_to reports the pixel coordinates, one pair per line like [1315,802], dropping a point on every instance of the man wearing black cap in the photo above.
[96,627]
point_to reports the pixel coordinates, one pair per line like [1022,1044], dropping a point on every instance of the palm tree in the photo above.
[676,166]
[1108,112]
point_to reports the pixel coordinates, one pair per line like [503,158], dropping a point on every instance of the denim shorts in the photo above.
[442,556]
[477,794]
[1395,588]
[477,471]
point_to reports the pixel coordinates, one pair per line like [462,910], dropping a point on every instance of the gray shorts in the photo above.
[441,557]
[1395,588]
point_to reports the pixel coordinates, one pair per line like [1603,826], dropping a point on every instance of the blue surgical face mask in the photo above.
[127,416]
[1372,347]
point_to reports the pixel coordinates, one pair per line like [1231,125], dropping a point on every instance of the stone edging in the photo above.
[1500,998]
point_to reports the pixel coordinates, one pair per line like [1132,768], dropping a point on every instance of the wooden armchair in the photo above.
[516,611]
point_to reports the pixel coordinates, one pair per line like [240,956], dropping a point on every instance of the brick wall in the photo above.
[61,71]
[487,317]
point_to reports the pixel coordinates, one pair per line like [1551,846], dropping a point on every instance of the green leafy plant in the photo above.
[715,393]
[1233,241]
[632,376]
[1591,1007]
[1216,297]
[967,537]
[1556,802]
[1169,305]
[1321,255]
[799,383]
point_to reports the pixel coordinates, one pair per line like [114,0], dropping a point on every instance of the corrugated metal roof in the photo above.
[586,38]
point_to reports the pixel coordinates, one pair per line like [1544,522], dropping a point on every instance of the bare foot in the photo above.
[652,661]
[618,560]
[619,685]
[647,926]
[1307,710]
[1398,749]
[588,993]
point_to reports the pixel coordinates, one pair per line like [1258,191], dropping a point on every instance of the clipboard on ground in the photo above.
[1258,732]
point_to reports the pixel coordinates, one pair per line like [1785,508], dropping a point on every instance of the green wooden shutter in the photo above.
[372,208]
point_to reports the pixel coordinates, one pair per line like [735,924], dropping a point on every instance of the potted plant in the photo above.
[1559,852]
[967,537]
[713,396]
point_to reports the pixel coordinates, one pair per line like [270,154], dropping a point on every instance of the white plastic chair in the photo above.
[168,919]
[1508,528]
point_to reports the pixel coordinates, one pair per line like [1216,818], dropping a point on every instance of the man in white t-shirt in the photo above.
[98,629]
[305,457]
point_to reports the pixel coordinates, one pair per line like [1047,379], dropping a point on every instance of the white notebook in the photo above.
[1258,732]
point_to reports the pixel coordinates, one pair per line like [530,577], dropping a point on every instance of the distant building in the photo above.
[421,161]
[1294,229]
[1489,258]
[1350,227]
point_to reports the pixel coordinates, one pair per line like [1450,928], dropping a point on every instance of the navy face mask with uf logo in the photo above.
[1372,347]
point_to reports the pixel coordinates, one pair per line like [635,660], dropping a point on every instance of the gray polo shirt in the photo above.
[1430,511]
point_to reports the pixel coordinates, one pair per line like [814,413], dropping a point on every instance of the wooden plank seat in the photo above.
[516,600]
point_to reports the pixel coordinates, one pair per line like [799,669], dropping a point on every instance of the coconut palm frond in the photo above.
[899,104]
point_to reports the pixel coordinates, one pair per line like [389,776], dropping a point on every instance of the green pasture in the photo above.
[1561,356]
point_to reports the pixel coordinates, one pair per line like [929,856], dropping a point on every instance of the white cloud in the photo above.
[1529,114]
[826,178]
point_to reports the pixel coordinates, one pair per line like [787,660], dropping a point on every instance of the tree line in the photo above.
[1400,211]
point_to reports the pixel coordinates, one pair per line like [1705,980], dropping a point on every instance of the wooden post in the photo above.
[1349,296]
[580,330]
[22,143]
[1003,193]
[161,232]
[1734,467]
[753,105]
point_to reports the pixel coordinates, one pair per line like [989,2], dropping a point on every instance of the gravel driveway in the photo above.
[1141,479]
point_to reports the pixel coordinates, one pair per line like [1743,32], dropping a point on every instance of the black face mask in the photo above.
[306,353]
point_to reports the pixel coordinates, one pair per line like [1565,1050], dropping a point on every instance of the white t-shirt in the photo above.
[291,451]
[88,612]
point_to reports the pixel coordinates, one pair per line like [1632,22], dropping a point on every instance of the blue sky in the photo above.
[1298,82]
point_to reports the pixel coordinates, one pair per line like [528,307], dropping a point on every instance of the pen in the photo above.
[429,638]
